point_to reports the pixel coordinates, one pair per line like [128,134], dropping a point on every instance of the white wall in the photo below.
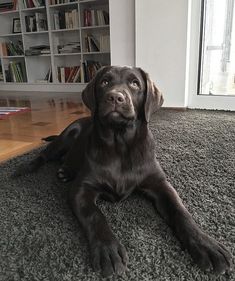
[122,32]
[161,46]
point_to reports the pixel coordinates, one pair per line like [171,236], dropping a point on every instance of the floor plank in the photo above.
[49,115]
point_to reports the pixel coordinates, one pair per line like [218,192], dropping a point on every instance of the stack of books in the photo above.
[89,69]
[55,2]
[11,48]
[15,72]
[8,5]
[69,74]
[38,50]
[33,3]
[71,47]
[95,17]
[102,44]
[37,22]
[66,19]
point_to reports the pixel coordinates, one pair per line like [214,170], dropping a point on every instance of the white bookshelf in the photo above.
[37,66]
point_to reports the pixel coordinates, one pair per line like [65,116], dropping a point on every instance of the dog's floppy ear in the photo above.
[88,95]
[153,98]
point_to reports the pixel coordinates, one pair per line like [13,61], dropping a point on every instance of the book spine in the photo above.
[35,3]
[62,74]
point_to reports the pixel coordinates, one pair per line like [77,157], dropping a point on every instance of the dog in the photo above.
[111,154]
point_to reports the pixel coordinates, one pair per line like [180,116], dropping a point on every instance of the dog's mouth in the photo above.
[117,114]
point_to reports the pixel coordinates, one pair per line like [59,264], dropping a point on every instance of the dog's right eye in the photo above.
[104,82]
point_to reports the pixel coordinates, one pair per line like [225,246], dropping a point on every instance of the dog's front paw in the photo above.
[109,257]
[64,174]
[208,253]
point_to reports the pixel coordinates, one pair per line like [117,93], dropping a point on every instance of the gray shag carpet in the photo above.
[40,239]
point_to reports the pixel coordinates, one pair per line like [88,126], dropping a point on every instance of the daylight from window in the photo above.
[218,48]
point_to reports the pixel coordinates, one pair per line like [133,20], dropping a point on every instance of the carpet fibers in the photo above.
[40,238]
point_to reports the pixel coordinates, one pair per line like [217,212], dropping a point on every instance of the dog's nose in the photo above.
[117,98]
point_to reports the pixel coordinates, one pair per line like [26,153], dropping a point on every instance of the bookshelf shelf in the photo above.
[13,57]
[67,54]
[11,35]
[41,55]
[70,4]
[9,12]
[65,30]
[92,1]
[94,27]
[36,32]
[68,64]
[35,9]
[95,53]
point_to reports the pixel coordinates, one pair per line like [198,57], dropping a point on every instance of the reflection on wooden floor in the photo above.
[49,115]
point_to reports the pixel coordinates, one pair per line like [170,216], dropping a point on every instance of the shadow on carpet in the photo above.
[40,238]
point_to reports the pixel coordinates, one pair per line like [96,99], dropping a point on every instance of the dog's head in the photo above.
[122,94]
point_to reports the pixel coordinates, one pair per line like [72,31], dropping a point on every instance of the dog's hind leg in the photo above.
[54,151]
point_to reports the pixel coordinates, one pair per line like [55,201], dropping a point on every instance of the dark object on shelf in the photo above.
[38,50]
[70,47]
[16,28]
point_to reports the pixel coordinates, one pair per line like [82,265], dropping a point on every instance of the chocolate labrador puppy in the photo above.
[111,154]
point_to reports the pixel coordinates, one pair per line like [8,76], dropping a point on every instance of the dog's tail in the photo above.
[50,138]
[29,168]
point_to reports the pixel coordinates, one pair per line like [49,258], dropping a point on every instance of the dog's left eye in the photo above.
[135,83]
[104,82]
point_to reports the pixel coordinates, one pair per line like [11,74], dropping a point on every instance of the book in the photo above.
[93,17]
[11,48]
[65,19]
[37,22]
[15,72]
[9,6]
[91,44]
[68,74]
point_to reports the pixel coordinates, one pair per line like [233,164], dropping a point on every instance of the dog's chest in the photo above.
[117,175]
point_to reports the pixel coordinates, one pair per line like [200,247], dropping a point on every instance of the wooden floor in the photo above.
[49,115]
